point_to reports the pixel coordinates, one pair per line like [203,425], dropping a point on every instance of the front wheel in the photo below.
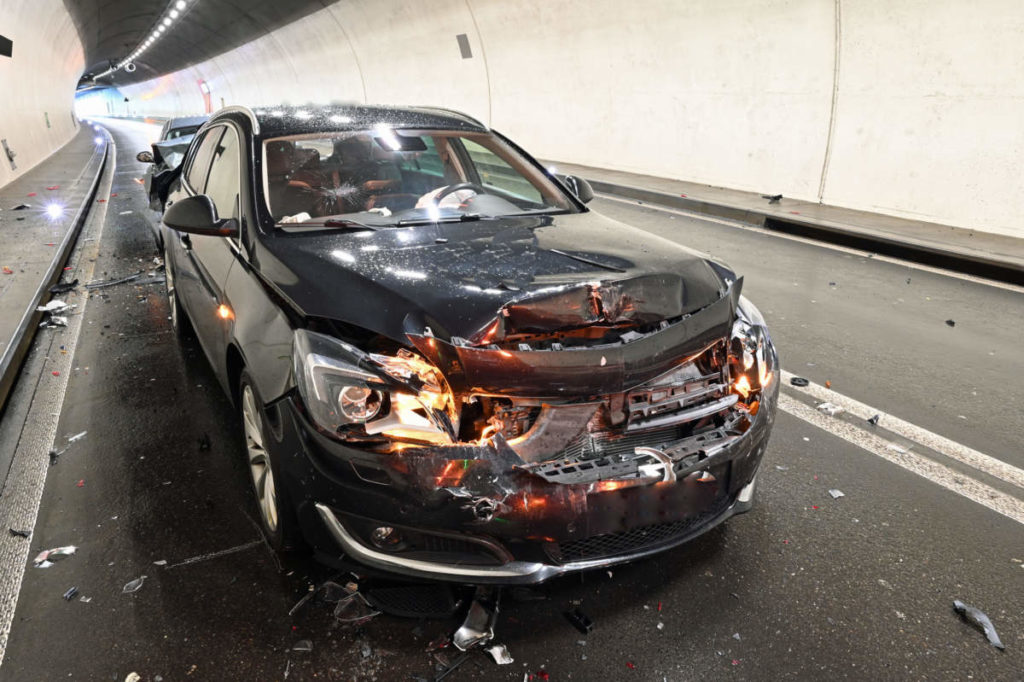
[179,321]
[276,514]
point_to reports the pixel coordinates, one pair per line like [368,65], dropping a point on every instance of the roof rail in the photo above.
[239,109]
[456,112]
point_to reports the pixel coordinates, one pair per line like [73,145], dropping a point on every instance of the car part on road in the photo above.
[112,282]
[580,621]
[500,654]
[133,585]
[49,557]
[478,627]
[979,619]
[799,381]
[70,594]
[836,494]
[20,533]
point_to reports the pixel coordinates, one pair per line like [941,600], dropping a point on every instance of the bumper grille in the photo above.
[611,545]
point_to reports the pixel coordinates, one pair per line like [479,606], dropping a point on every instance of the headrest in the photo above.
[280,157]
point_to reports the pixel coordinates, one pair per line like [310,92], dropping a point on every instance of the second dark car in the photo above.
[446,365]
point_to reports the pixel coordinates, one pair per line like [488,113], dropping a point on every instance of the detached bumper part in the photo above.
[512,572]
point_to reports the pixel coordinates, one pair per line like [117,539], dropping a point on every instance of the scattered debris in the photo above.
[478,626]
[897,448]
[48,557]
[828,383]
[134,585]
[830,409]
[799,381]
[500,654]
[84,599]
[54,456]
[736,636]
[951,323]
[20,533]
[133,677]
[81,483]
[63,287]
[580,621]
[781,468]
[836,493]
[161,562]
[772,198]
[70,594]
[874,420]
[112,282]
[8,271]
[77,436]
[661,626]
[978,618]
[885,583]
[304,645]
[22,207]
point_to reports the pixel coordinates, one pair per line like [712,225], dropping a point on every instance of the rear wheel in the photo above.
[277,517]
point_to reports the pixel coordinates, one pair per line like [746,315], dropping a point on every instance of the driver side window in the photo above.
[223,183]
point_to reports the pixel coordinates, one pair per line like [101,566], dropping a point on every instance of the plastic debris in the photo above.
[8,271]
[22,207]
[874,420]
[500,654]
[112,282]
[133,677]
[828,383]
[304,645]
[661,626]
[77,436]
[48,557]
[478,627]
[20,533]
[54,306]
[63,288]
[772,198]
[951,323]
[81,483]
[580,621]
[799,381]
[84,599]
[830,409]
[978,618]
[161,562]
[133,585]
[736,636]
[70,594]
[836,493]
[781,468]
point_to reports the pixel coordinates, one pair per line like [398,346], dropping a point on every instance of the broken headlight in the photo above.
[400,396]
[750,351]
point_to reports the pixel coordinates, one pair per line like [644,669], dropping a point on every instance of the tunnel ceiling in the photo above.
[111,29]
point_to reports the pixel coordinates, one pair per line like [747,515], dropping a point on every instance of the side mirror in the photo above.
[578,186]
[145,157]
[198,215]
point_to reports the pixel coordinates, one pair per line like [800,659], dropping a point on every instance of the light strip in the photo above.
[173,10]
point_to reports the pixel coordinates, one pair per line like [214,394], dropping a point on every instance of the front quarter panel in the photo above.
[261,331]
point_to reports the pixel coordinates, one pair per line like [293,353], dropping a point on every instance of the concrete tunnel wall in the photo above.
[37,82]
[905,107]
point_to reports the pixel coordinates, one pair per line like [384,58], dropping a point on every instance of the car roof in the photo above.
[277,121]
[186,121]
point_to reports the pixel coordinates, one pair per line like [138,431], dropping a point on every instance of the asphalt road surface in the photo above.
[804,587]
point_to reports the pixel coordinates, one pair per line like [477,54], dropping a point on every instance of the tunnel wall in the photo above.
[45,64]
[904,107]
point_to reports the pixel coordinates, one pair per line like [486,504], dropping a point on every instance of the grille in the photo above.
[413,601]
[630,541]
[610,444]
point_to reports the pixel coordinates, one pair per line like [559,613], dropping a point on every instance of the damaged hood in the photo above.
[494,276]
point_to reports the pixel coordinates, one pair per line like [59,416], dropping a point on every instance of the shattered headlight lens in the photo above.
[335,389]
[398,396]
[750,357]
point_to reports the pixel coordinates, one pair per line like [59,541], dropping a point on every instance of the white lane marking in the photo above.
[961,453]
[23,490]
[985,495]
[814,242]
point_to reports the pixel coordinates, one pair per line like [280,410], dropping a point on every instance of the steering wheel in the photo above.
[451,189]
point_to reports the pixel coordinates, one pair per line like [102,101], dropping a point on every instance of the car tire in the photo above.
[179,319]
[277,516]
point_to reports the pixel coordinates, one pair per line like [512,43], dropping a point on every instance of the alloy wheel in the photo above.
[259,460]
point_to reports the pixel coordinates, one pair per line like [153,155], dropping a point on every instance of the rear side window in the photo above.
[199,166]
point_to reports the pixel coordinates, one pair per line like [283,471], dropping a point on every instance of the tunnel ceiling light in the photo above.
[180,4]
[174,14]
[167,21]
[160,29]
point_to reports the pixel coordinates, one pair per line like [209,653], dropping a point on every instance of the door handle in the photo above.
[186,243]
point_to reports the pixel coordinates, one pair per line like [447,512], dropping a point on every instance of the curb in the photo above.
[979,264]
[15,352]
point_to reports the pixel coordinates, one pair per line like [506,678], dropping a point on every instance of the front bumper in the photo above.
[533,530]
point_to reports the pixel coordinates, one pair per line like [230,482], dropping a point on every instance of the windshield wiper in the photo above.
[346,224]
[464,218]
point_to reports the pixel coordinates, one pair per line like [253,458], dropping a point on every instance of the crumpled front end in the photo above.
[519,455]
